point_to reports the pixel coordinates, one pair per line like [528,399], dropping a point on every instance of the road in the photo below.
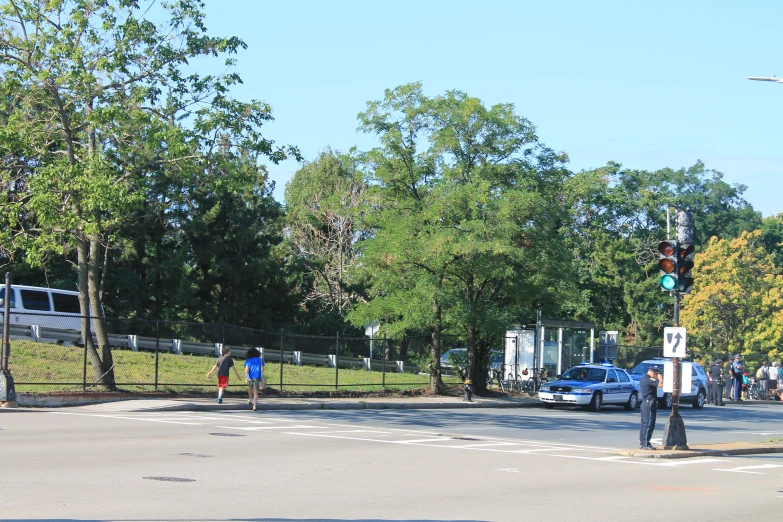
[96,464]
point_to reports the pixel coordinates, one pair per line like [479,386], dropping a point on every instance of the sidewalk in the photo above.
[110,402]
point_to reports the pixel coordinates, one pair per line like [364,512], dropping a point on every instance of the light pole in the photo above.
[7,389]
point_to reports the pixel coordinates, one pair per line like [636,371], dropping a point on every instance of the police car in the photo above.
[592,386]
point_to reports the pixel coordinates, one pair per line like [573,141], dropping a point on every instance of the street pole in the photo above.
[674,436]
[7,388]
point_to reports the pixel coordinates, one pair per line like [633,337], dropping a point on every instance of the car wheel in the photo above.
[633,402]
[665,401]
[595,403]
[699,402]
[548,406]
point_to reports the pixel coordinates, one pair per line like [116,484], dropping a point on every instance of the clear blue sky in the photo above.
[649,85]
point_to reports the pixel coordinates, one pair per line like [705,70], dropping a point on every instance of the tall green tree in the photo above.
[92,90]
[464,223]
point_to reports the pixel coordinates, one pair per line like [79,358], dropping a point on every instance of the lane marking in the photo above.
[106,416]
[262,428]
[685,462]
[745,469]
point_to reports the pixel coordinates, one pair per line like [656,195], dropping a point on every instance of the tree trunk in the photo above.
[436,382]
[99,323]
[82,253]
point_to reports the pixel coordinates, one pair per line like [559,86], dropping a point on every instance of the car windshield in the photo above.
[641,368]
[581,373]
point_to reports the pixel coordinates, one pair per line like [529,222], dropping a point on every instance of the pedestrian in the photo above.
[739,368]
[762,377]
[648,387]
[222,365]
[730,378]
[773,378]
[254,371]
[715,376]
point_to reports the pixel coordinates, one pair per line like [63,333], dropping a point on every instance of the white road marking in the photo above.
[419,441]
[263,428]
[125,418]
[746,469]
[684,462]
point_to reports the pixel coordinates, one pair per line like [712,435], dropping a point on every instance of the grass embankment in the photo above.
[43,367]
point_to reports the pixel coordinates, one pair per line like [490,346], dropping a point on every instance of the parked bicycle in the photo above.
[535,381]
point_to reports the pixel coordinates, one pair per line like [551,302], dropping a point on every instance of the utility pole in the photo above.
[7,389]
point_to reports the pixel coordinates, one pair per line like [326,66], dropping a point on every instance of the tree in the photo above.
[462,234]
[93,91]
[618,218]
[737,301]
[322,202]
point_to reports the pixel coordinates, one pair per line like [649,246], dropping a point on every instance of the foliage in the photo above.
[463,219]
[737,305]
[322,201]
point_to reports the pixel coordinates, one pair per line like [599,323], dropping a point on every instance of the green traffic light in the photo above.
[668,282]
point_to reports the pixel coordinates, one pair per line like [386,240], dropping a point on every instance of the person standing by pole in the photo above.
[648,387]
[715,376]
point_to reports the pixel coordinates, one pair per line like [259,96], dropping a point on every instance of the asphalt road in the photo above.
[559,465]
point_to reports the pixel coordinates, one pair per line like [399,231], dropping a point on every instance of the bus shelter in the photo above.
[552,345]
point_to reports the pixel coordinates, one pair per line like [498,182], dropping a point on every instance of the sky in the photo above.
[645,84]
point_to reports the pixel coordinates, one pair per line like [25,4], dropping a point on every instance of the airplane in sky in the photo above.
[766,79]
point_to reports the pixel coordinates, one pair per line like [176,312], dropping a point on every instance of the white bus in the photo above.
[45,307]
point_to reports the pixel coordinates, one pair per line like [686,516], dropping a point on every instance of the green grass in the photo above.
[42,367]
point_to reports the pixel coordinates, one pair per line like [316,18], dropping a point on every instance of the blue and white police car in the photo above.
[592,386]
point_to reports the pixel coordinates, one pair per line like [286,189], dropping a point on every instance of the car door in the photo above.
[626,385]
[612,387]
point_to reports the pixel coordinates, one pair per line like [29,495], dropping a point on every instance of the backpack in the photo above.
[762,373]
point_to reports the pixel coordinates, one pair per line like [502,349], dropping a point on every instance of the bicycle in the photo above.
[754,389]
[535,381]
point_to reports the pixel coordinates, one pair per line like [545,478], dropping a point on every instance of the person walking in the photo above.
[224,363]
[730,378]
[648,387]
[773,378]
[254,367]
[762,377]
[715,376]
[780,375]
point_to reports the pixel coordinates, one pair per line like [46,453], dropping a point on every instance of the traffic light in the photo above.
[667,262]
[684,266]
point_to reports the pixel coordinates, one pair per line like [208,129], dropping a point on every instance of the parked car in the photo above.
[457,358]
[592,386]
[697,395]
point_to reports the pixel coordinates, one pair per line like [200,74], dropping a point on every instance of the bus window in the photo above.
[2,298]
[66,303]
[35,300]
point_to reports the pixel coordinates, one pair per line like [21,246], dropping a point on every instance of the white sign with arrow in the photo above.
[674,342]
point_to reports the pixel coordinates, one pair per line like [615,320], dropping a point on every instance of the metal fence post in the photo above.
[157,348]
[385,349]
[84,369]
[281,359]
[337,363]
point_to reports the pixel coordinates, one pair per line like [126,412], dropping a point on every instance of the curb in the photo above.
[32,400]
[704,452]
[337,406]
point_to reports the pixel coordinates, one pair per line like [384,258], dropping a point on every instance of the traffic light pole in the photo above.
[674,436]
